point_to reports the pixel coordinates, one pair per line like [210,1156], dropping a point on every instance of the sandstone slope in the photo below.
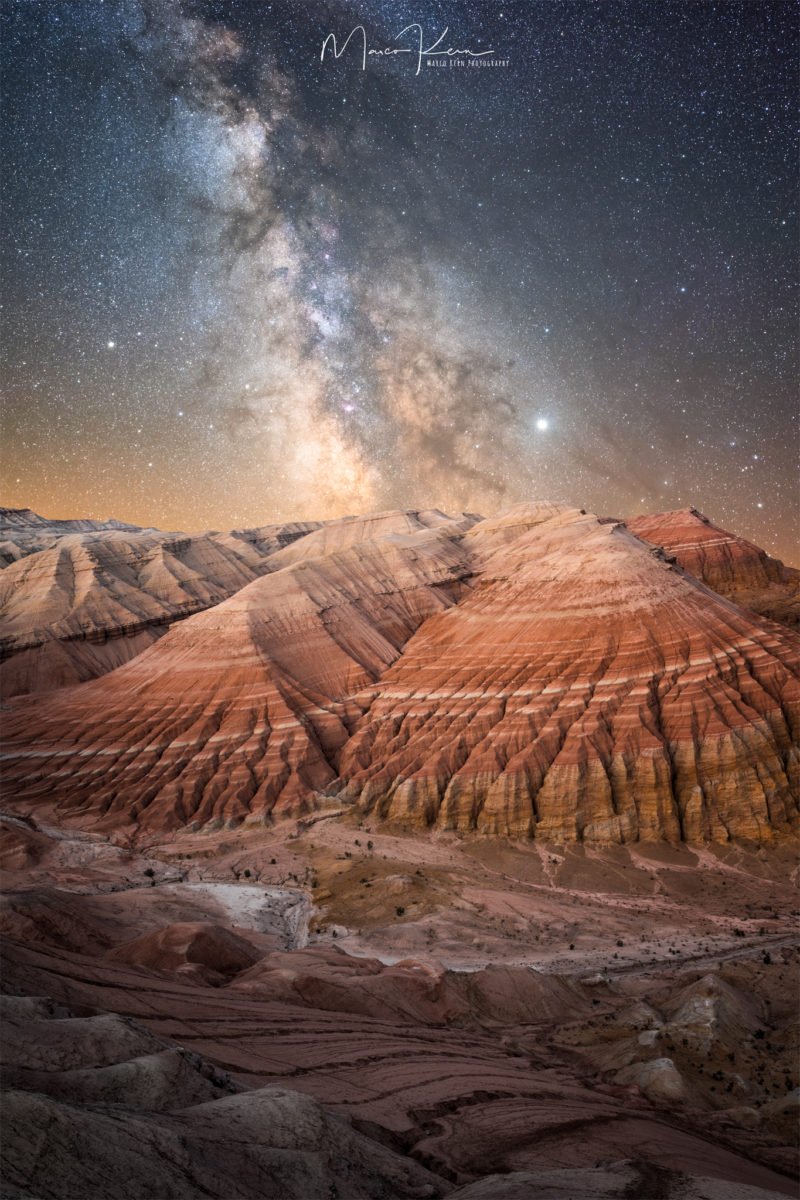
[91,599]
[79,598]
[244,707]
[539,674]
[22,531]
[729,564]
[584,689]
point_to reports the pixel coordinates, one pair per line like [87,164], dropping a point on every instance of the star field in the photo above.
[242,284]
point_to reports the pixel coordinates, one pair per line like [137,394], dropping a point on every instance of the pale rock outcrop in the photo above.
[658,1078]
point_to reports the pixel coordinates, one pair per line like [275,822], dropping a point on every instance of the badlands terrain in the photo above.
[407,855]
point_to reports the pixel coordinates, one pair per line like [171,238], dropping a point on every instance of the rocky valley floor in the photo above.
[322,1008]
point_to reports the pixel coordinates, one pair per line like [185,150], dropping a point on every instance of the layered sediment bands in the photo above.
[544,673]
[488,1093]
[243,708]
[585,689]
[492,535]
[22,531]
[130,1114]
[336,536]
[728,564]
[94,599]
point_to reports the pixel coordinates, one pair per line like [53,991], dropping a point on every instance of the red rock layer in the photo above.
[728,564]
[585,689]
[92,600]
[240,708]
[81,598]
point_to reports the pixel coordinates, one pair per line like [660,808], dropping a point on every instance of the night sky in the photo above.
[242,285]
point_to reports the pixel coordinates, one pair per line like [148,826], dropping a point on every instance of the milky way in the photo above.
[243,284]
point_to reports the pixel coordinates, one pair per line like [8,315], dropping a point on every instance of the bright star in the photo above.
[542,424]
